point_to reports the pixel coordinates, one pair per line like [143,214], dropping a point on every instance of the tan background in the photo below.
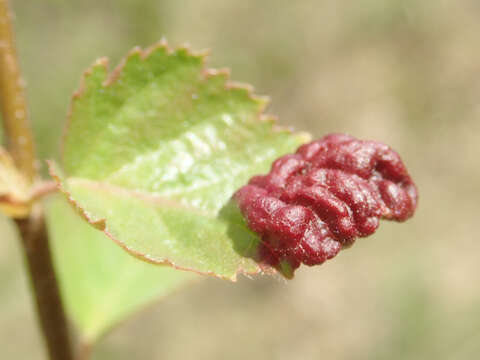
[403,72]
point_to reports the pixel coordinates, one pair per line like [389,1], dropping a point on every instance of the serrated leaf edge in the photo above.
[101,225]
[262,102]
[112,77]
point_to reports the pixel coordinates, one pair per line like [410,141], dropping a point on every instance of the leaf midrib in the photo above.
[141,195]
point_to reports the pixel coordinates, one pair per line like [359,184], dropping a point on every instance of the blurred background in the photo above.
[404,72]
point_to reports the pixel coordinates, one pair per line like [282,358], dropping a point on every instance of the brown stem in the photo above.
[32,230]
[12,99]
[52,317]
[84,351]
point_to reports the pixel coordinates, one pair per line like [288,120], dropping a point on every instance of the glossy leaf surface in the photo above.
[154,151]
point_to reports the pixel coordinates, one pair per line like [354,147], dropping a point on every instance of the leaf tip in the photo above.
[222,72]
[103,62]
[186,48]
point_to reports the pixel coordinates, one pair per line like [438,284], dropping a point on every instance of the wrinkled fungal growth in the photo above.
[319,200]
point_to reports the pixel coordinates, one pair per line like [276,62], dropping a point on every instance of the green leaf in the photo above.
[101,284]
[154,151]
